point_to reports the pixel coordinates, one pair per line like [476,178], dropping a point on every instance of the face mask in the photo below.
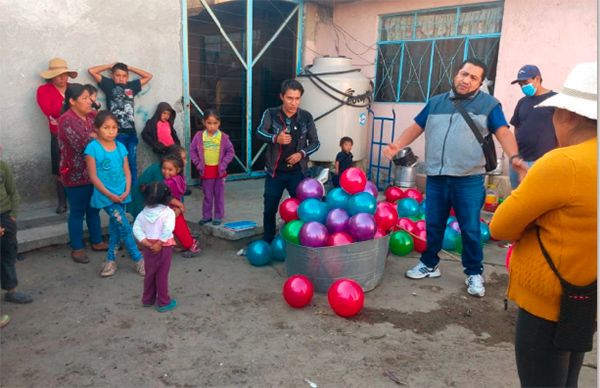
[528,90]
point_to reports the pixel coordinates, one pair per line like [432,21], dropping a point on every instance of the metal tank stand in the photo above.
[380,172]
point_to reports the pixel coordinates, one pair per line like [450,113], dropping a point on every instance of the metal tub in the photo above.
[362,261]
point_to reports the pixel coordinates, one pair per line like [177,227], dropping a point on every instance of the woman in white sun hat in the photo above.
[50,97]
[558,200]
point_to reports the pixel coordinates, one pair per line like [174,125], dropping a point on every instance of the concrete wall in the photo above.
[145,34]
[553,34]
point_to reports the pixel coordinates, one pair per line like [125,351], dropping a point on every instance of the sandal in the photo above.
[108,269]
[79,256]
[100,247]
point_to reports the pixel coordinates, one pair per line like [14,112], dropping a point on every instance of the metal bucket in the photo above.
[405,176]
[363,262]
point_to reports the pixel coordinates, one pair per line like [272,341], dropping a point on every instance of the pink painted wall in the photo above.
[553,34]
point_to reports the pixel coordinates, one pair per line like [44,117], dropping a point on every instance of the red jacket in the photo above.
[50,101]
[73,136]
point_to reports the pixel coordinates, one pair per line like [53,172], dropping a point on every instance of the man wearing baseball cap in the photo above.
[533,127]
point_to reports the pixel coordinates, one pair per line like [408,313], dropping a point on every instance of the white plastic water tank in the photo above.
[327,82]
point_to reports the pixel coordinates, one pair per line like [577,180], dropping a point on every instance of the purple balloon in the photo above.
[337,220]
[371,188]
[313,234]
[309,188]
[454,225]
[362,226]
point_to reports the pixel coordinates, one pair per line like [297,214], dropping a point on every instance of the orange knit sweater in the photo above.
[559,195]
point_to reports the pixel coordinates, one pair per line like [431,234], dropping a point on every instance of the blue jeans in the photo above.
[466,195]
[514,177]
[119,230]
[130,141]
[273,191]
[79,208]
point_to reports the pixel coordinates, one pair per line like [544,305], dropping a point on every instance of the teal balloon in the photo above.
[362,202]
[278,248]
[312,209]
[485,232]
[450,220]
[259,253]
[337,198]
[450,237]
[408,207]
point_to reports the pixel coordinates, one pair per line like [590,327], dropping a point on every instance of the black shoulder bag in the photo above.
[577,319]
[486,143]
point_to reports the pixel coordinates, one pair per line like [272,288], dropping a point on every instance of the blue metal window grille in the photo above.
[419,52]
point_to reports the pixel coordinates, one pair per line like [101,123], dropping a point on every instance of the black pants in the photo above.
[8,253]
[54,154]
[273,191]
[539,363]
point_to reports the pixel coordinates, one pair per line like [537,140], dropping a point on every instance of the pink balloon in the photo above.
[371,188]
[421,225]
[414,194]
[353,180]
[339,238]
[454,225]
[309,188]
[288,209]
[509,255]
[379,234]
[406,224]
[313,234]
[386,215]
[420,241]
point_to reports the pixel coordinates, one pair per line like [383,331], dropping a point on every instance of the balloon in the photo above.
[298,291]
[362,227]
[420,241]
[288,209]
[485,232]
[353,180]
[309,188]
[337,198]
[450,236]
[346,297]
[379,233]
[337,220]
[371,188]
[421,225]
[422,208]
[393,194]
[509,255]
[386,215]
[452,212]
[408,207]
[458,247]
[313,234]
[450,220]
[454,225]
[312,209]
[414,194]
[291,231]
[361,203]
[278,248]
[339,238]
[406,224]
[259,253]
[401,243]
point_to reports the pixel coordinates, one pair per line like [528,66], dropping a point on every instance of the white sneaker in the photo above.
[421,271]
[475,285]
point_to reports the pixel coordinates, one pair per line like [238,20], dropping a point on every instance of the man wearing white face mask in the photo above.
[533,127]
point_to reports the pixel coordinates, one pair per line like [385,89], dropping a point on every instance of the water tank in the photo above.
[338,92]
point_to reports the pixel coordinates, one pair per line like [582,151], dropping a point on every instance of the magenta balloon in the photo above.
[454,225]
[371,189]
[362,226]
[310,188]
[337,220]
[313,234]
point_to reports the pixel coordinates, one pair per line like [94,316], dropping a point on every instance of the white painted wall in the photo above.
[145,34]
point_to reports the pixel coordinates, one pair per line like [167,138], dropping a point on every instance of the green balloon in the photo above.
[291,231]
[401,243]
[458,245]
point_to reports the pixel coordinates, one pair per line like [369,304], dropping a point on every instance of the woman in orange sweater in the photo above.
[558,196]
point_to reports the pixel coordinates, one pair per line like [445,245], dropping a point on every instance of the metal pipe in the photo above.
[187,127]
[283,25]
[249,80]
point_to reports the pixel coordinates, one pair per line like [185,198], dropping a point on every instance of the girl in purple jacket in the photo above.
[211,152]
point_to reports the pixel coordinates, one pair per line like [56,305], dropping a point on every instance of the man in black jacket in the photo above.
[291,136]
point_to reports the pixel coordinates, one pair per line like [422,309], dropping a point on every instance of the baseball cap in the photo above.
[526,72]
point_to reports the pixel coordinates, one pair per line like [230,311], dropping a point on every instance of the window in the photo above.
[419,52]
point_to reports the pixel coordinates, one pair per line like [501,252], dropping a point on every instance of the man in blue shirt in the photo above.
[455,167]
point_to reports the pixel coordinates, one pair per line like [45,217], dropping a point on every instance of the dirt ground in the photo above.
[232,328]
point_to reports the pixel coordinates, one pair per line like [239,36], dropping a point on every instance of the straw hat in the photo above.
[57,66]
[579,93]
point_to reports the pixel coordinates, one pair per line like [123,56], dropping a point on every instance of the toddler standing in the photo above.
[343,159]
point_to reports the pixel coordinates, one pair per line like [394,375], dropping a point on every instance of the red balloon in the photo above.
[353,180]
[421,225]
[509,255]
[288,209]
[339,238]
[346,297]
[393,194]
[420,241]
[406,224]
[379,233]
[452,212]
[414,194]
[386,215]
[298,291]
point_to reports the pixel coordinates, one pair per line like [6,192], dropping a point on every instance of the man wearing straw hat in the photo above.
[50,97]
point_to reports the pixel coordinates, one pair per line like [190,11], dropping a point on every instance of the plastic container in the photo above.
[491,199]
[362,261]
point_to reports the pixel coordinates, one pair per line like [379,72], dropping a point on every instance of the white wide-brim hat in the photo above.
[579,93]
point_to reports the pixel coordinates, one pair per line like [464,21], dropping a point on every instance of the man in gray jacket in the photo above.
[456,166]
